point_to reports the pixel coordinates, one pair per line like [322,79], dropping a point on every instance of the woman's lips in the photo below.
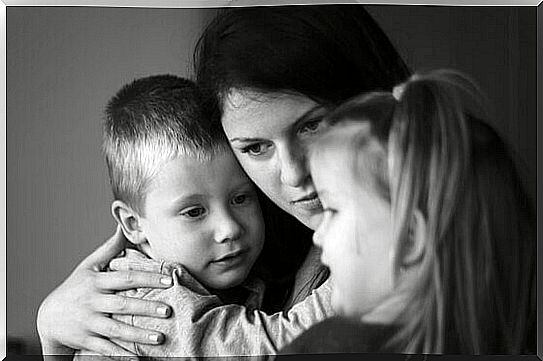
[310,202]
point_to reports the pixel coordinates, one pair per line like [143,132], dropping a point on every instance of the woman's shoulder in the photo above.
[338,334]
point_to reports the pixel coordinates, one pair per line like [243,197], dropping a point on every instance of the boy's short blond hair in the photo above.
[149,122]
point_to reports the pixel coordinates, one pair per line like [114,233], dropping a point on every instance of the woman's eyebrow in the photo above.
[311,112]
[243,139]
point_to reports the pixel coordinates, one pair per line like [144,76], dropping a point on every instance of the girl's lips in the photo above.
[310,202]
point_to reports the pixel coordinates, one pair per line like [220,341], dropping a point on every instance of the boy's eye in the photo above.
[240,199]
[310,127]
[255,149]
[194,212]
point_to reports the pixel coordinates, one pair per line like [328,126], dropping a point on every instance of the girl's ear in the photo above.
[417,240]
[129,220]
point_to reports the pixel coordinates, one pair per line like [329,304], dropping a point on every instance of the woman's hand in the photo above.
[75,314]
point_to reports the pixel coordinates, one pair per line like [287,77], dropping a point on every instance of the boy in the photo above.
[182,199]
[180,195]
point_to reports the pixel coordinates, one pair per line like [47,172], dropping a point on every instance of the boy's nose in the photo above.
[228,228]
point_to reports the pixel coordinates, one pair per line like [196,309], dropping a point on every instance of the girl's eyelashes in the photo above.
[193,212]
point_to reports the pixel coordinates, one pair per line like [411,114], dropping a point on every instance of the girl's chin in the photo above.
[343,307]
[339,307]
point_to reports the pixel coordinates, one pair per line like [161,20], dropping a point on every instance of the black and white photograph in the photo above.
[228,179]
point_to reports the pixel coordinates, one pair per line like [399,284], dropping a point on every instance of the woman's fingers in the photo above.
[75,315]
[126,264]
[125,280]
[99,259]
[130,306]
[114,329]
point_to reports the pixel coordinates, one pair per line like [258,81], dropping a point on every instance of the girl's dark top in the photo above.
[338,334]
[341,335]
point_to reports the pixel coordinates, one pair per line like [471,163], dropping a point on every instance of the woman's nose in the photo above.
[228,228]
[294,172]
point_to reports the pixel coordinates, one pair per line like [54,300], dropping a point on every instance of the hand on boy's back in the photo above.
[75,315]
[136,262]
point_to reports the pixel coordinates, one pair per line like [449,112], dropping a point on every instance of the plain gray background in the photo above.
[63,64]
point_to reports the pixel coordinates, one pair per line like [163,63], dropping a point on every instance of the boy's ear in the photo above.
[129,220]
[415,249]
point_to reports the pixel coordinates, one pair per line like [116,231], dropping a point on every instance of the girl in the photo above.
[427,230]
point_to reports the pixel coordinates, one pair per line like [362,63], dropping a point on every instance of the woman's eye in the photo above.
[194,212]
[310,127]
[242,198]
[255,149]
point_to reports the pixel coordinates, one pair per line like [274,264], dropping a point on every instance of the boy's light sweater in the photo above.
[202,325]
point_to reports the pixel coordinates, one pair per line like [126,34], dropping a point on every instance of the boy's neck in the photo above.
[234,295]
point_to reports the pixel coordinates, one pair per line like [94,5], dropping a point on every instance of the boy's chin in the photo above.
[227,281]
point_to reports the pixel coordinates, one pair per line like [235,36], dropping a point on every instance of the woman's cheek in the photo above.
[262,174]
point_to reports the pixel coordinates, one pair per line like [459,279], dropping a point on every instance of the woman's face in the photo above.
[268,133]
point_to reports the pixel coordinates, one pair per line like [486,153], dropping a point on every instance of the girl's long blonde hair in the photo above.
[475,293]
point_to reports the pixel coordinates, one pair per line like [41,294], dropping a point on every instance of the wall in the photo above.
[494,45]
[64,63]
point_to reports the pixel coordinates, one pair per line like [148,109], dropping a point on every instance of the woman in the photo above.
[271,74]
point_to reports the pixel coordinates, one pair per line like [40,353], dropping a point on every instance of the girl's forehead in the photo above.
[349,149]
[340,137]
[335,148]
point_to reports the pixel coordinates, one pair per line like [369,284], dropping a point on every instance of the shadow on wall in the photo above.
[19,346]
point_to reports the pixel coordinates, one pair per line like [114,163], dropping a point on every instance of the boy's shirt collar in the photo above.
[138,261]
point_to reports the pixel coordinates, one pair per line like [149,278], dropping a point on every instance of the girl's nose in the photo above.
[317,238]
[228,228]
[294,172]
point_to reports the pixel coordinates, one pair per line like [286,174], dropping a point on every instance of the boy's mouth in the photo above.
[230,257]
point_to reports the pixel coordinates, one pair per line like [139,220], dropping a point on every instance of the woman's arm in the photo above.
[75,314]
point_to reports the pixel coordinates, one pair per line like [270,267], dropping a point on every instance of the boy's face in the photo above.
[204,215]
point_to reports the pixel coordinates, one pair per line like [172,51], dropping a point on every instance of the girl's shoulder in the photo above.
[338,334]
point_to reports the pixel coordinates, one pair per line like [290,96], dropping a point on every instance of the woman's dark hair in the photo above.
[327,53]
